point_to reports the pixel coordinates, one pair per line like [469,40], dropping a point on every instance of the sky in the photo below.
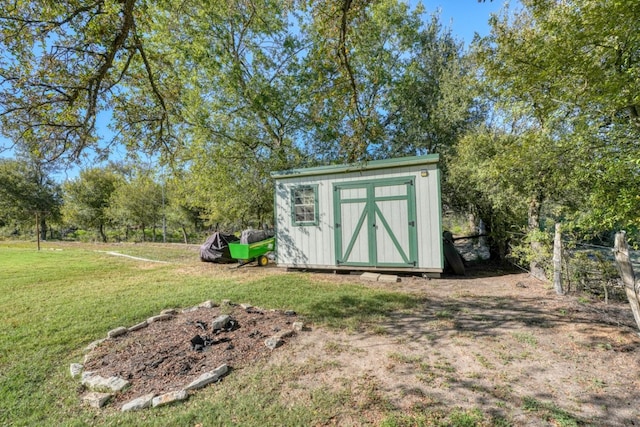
[464,17]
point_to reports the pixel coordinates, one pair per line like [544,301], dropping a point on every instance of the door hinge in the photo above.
[337,225]
[412,223]
[410,182]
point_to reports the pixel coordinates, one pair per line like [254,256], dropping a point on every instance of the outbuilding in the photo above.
[383,215]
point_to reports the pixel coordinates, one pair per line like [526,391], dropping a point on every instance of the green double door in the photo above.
[375,223]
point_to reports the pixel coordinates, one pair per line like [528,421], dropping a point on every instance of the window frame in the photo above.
[314,188]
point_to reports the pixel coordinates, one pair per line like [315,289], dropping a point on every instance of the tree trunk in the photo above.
[43,227]
[621,251]
[557,261]
[184,235]
[497,245]
[103,236]
[535,204]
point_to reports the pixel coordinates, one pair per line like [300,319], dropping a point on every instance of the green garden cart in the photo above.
[248,252]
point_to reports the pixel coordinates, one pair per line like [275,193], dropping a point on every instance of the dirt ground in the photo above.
[167,355]
[505,344]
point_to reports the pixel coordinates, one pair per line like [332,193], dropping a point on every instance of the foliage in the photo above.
[592,271]
[523,253]
[65,63]
[560,77]
[384,82]
[27,190]
[568,71]
[86,199]
[136,203]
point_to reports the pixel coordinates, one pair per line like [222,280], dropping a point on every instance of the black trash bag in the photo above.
[252,236]
[216,248]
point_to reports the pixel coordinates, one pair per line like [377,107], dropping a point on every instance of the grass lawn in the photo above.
[56,301]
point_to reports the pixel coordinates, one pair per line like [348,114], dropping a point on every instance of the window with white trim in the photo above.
[304,205]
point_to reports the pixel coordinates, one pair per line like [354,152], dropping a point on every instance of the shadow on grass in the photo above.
[353,311]
[495,321]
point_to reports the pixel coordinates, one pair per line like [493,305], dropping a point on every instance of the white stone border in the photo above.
[102,389]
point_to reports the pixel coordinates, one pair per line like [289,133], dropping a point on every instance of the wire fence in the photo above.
[587,268]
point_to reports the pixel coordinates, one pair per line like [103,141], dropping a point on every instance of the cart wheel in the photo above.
[262,261]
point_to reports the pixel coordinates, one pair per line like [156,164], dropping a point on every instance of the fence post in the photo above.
[557,261]
[621,252]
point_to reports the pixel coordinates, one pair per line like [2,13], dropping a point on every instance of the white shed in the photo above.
[383,215]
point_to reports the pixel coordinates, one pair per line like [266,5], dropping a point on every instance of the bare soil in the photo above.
[501,343]
[162,357]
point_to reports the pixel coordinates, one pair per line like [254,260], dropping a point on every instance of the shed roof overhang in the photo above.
[358,167]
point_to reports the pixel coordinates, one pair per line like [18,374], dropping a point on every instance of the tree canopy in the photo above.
[541,117]
[562,79]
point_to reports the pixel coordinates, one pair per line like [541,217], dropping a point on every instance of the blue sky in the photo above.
[464,17]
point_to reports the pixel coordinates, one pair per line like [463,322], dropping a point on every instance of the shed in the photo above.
[382,215]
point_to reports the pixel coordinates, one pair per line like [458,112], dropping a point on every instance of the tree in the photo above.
[65,63]
[385,83]
[27,192]
[242,110]
[86,199]
[570,68]
[137,204]
[557,80]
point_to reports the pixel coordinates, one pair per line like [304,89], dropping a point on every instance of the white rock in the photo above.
[298,326]
[273,342]
[159,318]
[117,332]
[98,382]
[138,403]
[371,277]
[96,400]
[208,304]
[171,311]
[116,383]
[208,378]
[170,397]
[76,369]
[138,326]
[220,322]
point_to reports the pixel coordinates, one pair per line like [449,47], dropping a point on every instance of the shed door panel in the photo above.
[375,223]
[354,235]
[392,242]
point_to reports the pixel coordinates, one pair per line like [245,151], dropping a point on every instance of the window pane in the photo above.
[304,205]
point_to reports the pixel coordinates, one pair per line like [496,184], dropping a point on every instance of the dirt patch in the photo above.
[505,345]
[167,355]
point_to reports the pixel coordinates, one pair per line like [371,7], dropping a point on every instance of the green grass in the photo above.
[550,412]
[55,301]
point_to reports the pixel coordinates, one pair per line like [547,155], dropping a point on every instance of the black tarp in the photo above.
[252,236]
[216,248]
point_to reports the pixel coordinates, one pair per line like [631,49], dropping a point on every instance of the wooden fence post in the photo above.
[621,252]
[557,261]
